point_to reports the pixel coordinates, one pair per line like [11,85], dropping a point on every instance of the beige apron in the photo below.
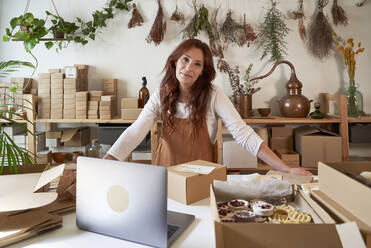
[180,147]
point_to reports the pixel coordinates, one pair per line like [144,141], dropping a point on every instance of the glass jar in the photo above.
[94,149]
[354,101]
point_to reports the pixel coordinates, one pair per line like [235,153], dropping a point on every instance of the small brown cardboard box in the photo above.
[345,197]
[129,103]
[76,136]
[57,75]
[322,233]
[187,187]
[44,76]
[130,114]
[281,131]
[315,145]
[54,70]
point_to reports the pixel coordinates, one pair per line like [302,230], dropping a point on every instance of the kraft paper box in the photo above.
[322,233]
[235,156]
[130,114]
[345,197]
[129,103]
[315,145]
[188,187]
[76,136]
[52,70]
[57,75]
[44,76]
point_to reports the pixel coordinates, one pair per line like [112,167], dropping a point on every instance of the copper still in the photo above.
[294,104]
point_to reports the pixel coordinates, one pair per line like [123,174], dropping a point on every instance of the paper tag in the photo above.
[196,169]
[70,72]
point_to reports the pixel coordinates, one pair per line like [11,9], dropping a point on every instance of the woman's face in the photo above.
[189,67]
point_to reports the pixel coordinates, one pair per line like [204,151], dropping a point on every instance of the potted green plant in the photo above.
[61,29]
[10,153]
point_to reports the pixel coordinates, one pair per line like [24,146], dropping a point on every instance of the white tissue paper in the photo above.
[251,187]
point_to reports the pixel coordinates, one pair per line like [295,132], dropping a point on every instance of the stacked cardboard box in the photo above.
[56,95]
[95,95]
[82,104]
[129,108]
[106,107]
[281,138]
[44,95]
[80,73]
[69,98]
[291,158]
[93,108]
[110,89]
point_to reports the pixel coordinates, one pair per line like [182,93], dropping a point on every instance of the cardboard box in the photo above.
[57,75]
[130,114]
[314,144]
[281,131]
[129,103]
[54,70]
[110,86]
[44,76]
[235,156]
[187,187]
[291,158]
[343,196]
[76,136]
[322,233]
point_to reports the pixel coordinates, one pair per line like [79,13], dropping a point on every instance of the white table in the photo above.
[199,234]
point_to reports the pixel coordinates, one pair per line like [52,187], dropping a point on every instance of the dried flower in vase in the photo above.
[229,29]
[346,48]
[246,34]
[158,28]
[136,18]
[234,76]
[338,14]
[177,16]
[320,39]
[249,84]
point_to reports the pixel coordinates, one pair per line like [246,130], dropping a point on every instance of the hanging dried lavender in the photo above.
[177,16]
[229,29]
[158,28]
[136,18]
[246,34]
[188,31]
[320,39]
[338,14]
[216,44]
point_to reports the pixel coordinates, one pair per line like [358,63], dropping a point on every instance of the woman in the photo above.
[189,106]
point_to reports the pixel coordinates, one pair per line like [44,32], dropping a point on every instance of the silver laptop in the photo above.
[126,201]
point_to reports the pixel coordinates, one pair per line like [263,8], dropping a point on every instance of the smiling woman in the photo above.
[190,105]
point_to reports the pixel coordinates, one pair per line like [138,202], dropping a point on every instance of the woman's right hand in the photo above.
[109,157]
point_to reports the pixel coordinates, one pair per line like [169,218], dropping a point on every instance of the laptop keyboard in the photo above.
[171,229]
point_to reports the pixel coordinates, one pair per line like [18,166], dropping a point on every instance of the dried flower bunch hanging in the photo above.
[320,39]
[338,14]
[158,28]
[246,34]
[272,33]
[177,16]
[200,21]
[299,15]
[229,29]
[216,44]
[136,18]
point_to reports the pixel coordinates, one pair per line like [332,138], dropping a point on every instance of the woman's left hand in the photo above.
[300,172]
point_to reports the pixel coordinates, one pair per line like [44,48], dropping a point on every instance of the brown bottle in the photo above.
[143,94]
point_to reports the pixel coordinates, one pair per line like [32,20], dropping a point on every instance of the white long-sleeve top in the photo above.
[219,106]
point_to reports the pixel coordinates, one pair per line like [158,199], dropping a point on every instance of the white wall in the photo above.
[123,53]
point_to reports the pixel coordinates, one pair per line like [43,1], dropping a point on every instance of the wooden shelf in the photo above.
[365,119]
[19,121]
[287,120]
[83,121]
[262,168]
[43,39]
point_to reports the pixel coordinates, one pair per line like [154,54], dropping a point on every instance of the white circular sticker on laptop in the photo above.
[117,198]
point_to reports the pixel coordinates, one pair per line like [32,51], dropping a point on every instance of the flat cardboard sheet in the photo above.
[18,191]
[293,179]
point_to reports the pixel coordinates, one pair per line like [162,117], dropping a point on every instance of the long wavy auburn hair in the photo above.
[199,92]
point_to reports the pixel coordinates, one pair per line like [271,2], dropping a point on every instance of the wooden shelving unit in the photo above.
[342,120]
